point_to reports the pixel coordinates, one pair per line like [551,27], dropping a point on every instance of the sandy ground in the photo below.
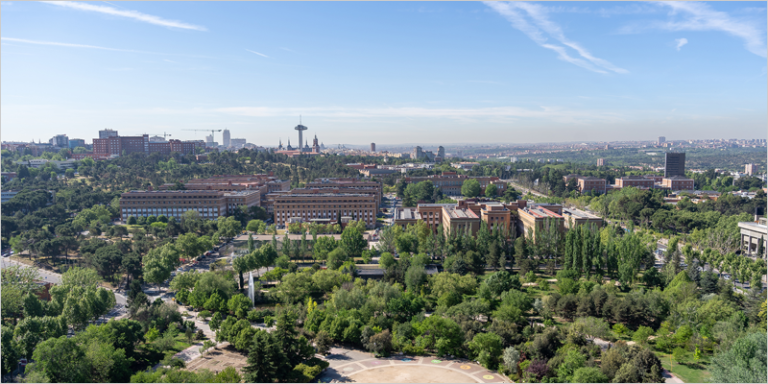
[411,374]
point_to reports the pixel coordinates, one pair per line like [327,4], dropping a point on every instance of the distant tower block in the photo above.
[373,147]
[600,162]
[301,129]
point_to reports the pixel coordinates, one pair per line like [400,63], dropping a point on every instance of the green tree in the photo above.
[61,360]
[266,360]
[744,362]
[352,242]
[470,188]
[491,191]
[589,375]
[488,349]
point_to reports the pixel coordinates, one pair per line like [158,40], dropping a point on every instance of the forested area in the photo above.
[527,306]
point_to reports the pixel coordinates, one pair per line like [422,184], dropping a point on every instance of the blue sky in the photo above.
[390,73]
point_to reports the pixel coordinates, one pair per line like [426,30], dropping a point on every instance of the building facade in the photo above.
[226,138]
[600,162]
[74,143]
[119,145]
[635,181]
[450,182]
[332,206]
[574,217]
[60,141]
[209,204]
[674,164]
[752,233]
[587,184]
[536,216]
[107,133]
[751,169]
[677,183]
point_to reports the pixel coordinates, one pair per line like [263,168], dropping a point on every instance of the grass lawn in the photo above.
[691,373]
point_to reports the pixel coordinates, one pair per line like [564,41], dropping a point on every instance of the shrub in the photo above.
[204,314]
[620,329]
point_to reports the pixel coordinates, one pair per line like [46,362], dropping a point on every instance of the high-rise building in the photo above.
[441,153]
[373,147]
[61,141]
[662,139]
[74,143]
[107,133]
[125,145]
[416,153]
[209,139]
[600,162]
[750,169]
[226,138]
[674,164]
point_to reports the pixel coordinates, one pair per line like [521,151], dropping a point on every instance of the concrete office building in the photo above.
[226,139]
[74,143]
[373,147]
[751,235]
[751,169]
[209,204]
[301,207]
[662,139]
[60,141]
[674,164]
[600,162]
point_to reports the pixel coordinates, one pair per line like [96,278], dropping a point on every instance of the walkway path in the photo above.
[349,365]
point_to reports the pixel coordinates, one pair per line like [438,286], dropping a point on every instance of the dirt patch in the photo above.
[412,374]
[218,359]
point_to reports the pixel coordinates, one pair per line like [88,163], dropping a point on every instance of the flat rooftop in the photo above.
[407,214]
[241,193]
[541,213]
[291,195]
[460,213]
[187,191]
[579,213]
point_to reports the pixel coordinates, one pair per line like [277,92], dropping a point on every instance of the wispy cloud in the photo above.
[540,25]
[680,42]
[696,16]
[550,113]
[288,49]
[37,42]
[260,54]
[135,15]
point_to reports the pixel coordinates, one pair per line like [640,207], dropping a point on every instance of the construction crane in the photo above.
[204,130]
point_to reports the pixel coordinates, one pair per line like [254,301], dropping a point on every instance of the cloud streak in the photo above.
[553,113]
[37,42]
[135,15]
[695,16]
[680,42]
[260,54]
[540,29]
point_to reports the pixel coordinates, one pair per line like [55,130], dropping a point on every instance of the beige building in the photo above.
[535,216]
[348,185]
[750,169]
[461,216]
[751,235]
[210,204]
[677,183]
[574,217]
[331,206]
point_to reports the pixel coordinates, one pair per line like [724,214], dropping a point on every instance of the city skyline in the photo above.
[413,72]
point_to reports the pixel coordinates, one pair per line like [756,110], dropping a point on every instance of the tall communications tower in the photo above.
[300,128]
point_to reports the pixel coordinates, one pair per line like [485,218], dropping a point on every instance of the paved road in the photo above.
[524,190]
[44,275]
